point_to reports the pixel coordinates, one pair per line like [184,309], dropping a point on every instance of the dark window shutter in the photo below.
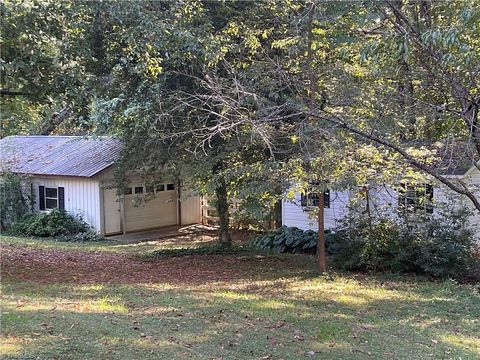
[326,198]
[303,200]
[41,197]
[429,198]
[61,198]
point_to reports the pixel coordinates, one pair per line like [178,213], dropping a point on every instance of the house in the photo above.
[77,174]
[385,199]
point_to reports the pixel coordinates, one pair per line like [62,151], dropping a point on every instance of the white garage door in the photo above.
[161,210]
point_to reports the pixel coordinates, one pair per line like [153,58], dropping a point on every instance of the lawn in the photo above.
[102,301]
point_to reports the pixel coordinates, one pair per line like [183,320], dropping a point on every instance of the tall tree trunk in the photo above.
[322,263]
[321,253]
[223,212]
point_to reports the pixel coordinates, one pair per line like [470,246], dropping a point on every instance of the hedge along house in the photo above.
[76,174]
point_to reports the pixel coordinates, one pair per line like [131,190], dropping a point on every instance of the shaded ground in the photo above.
[100,301]
[57,265]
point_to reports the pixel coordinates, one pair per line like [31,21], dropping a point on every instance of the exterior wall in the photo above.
[147,211]
[293,214]
[82,196]
[472,178]
[475,181]
[383,201]
[191,207]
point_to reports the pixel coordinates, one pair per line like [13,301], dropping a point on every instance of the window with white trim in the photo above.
[415,198]
[51,198]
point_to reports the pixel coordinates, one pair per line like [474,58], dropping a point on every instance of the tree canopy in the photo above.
[245,97]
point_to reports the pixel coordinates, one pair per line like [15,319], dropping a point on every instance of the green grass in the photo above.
[276,310]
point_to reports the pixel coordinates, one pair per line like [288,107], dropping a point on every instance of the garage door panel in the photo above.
[159,211]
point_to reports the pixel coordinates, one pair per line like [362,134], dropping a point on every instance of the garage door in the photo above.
[159,210]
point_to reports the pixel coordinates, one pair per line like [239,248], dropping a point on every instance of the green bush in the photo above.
[441,246]
[86,236]
[16,198]
[287,240]
[56,223]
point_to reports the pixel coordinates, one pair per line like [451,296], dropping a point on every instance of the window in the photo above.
[128,191]
[51,198]
[170,186]
[150,188]
[138,189]
[311,199]
[415,198]
[160,187]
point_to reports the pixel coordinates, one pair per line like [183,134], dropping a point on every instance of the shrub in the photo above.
[16,198]
[441,246]
[87,236]
[287,240]
[56,223]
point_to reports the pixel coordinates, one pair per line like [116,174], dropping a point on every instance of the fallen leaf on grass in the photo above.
[367,327]
[171,339]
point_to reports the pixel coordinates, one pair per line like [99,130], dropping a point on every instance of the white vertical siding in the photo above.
[293,214]
[191,207]
[383,200]
[82,196]
[473,179]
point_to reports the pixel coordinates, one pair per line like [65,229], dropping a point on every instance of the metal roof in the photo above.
[58,155]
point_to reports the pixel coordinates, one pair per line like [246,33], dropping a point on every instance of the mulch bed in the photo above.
[80,267]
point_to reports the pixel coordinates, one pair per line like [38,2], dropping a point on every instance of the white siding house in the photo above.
[305,218]
[384,200]
[76,174]
[82,196]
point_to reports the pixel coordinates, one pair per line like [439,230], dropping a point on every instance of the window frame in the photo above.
[310,199]
[57,198]
[415,198]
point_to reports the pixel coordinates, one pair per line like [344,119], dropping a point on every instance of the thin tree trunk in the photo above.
[322,263]
[322,259]
[367,207]
[223,213]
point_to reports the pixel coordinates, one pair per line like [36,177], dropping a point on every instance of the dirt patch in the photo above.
[61,266]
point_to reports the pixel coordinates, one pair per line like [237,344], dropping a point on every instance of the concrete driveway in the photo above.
[162,233]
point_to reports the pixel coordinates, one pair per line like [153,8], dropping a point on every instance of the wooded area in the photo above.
[260,111]
[243,99]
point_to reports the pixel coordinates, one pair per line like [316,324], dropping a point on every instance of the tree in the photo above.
[48,73]
[360,93]
[161,99]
